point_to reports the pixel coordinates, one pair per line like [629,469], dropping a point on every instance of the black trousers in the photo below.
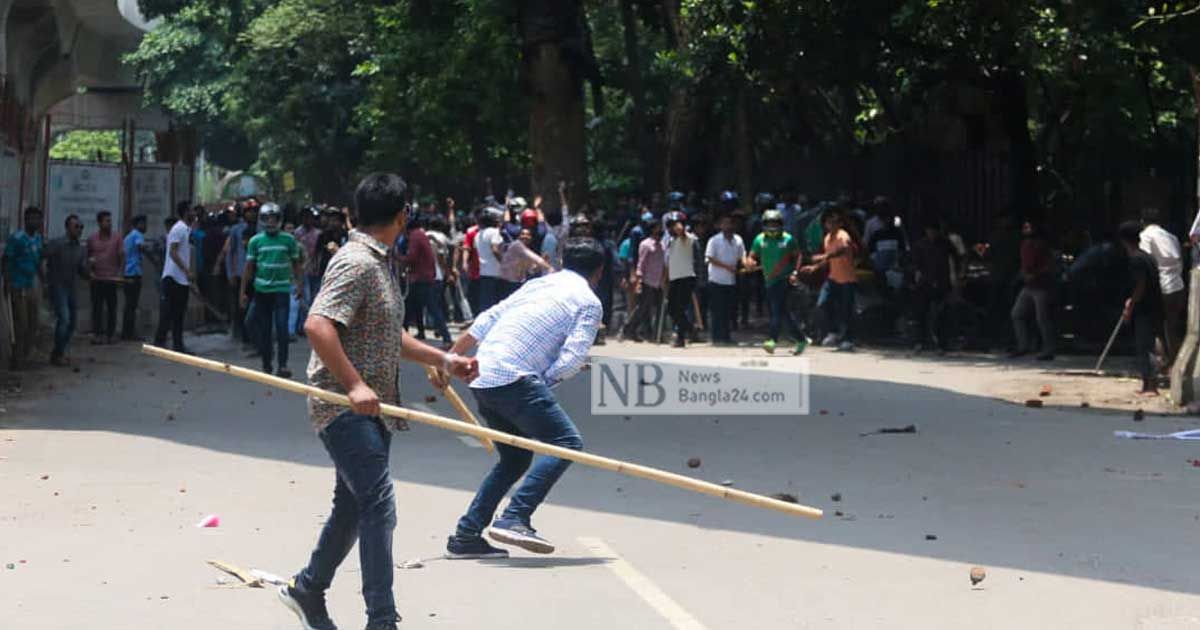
[1145,331]
[645,312]
[104,308]
[173,307]
[679,300]
[133,295]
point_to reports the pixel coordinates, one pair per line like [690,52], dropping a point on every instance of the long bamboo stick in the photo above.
[462,409]
[588,459]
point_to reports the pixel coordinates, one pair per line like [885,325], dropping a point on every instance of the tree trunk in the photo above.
[551,31]
[679,113]
[643,141]
[1014,108]
[1195,72]
[743,152]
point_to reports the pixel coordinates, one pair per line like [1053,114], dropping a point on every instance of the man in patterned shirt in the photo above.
[356,330]
[530,342]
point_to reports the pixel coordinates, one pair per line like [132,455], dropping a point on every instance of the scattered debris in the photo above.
[245,576]
[45,477]
[824,412]
[170,417]
[75,369]
[912,428]
[164,597]
[430,399]
[183,391]
[1085,404]
[411,564]
[838,513]
[727,482]
[694,462]
[183,491]
[212,520]
[930,536]
[627,418]
[1193,434]
[1033,402]
[785,497]
[268,578]
[1139,415]
[172,381]
[10,566]
[977,575]
[835,497]
[1194,462]
[620,489]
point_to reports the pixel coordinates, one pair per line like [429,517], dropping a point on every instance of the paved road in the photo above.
[104,473]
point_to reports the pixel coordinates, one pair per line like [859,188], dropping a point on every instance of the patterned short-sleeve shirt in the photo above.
[360,295]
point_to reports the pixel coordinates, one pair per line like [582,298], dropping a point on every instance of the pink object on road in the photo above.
[212,520]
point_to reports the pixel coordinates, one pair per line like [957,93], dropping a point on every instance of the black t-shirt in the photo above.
[932,260]
[1142,267]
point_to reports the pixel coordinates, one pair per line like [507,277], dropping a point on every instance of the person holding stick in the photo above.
[526,345]
[356,330]
[1144,308]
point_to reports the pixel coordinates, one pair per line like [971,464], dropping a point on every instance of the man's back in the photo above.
[548,324]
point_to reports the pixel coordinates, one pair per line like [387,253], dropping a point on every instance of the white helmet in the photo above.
[271,217]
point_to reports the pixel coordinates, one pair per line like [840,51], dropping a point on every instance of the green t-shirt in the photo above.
[770,251]
[272,255]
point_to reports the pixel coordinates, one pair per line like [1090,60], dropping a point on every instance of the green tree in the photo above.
[87,145]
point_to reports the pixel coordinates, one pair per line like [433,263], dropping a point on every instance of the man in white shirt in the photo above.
[681,274]
[489,243]
[1164,248]
[526,345]
[176,279]
[722,254]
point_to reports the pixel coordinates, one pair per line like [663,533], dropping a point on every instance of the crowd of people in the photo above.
[677,267]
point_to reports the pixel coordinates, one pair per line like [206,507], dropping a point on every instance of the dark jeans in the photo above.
[364,510]
[837,301]
[427,300]
[490,290]
[133,296]
[722,300]
[104,308]
[781,317]
[237,315]
[272,308]
[645,313]
[1038,301]
[679,302]
[930,314]
[1145,329]
[65,308]
[473,296]
[524,407]
[173,307]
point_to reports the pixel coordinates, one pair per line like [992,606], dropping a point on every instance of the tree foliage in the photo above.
[87,146]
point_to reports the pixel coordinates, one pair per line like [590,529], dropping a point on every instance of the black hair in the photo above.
[554,216]
[32,210]
[140,217]
[379,199]
[583,255]
[1130,232]
[438,223]
[181,208]
[100,216]
[67,221]
[417,220]
[1150,215]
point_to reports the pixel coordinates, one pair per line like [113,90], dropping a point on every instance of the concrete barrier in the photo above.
[1185,372]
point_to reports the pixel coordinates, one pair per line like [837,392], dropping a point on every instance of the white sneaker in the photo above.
[830,340]
[845,346]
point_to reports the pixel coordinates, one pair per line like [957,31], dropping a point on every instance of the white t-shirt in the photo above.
[1164,248]
[178,235]
[680,261]
[441,249]
[728,251]
[489,263]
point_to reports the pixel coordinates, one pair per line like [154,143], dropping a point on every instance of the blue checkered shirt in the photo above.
[544,329]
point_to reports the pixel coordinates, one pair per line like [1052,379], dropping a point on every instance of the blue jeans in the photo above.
[272,308]
[526,408]
[777,295]
[837,301]
[428,301]
[312,285]
[490,290]
[63,300]
[364,509]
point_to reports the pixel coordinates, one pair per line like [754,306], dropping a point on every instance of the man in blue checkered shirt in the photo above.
[530,342]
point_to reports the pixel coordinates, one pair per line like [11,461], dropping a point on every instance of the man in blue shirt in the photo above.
[135,247]
[22,269]
[528,343]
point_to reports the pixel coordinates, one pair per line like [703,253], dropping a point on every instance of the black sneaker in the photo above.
[283,372]
[310,608]
[519,535]
[472,548]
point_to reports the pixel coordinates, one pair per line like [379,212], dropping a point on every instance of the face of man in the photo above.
[140,225]
[106,223]
[677,228]
[74,228]
[251,216]
[1027,228]
[526,237]
[33,222]
[726,226]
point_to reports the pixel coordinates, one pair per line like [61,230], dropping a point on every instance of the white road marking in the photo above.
[469,441]
[647,590]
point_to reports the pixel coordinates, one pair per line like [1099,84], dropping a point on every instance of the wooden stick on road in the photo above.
[463,409]
[588,459]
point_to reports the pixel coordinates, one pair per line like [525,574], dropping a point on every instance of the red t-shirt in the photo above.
[472,254]
[421,261]
[105,255]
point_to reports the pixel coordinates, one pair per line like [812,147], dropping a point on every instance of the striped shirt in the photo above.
[545,329]
[273,256]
